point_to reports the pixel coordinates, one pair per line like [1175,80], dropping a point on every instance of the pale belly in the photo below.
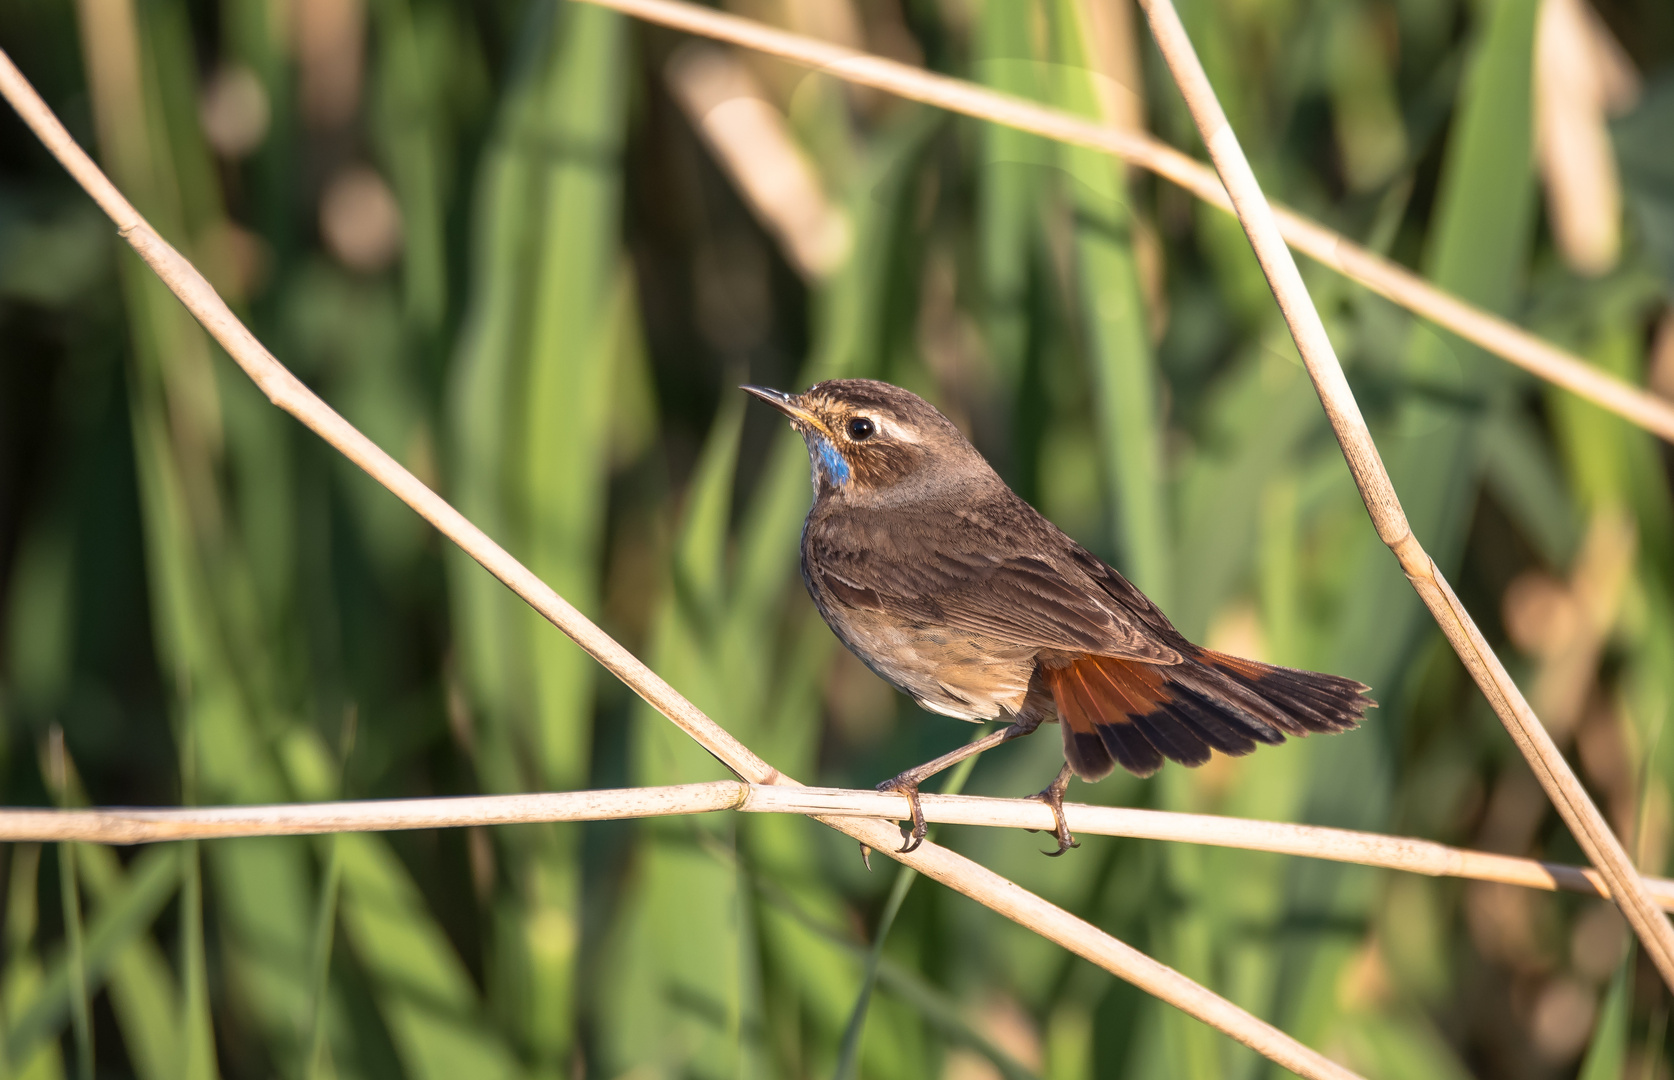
[960,675]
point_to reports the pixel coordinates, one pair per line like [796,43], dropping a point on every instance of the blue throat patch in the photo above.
[829,462]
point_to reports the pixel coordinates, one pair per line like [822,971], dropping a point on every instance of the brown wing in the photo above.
[995,568]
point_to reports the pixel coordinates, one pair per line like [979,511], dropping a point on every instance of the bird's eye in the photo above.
[861,429]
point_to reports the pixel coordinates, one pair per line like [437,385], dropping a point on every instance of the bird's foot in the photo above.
[908,786]
[1053,796]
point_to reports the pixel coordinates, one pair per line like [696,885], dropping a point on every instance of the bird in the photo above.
[953,589]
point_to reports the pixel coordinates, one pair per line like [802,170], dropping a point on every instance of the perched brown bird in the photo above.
[954,590]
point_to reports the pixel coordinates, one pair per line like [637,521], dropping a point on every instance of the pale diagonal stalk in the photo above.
[290,394]
[1383,276]
[1603,849]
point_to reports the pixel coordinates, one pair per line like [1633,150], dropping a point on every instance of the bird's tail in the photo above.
[1122,712]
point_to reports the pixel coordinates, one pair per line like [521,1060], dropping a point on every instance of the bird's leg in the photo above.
[1053,796]
[907,783]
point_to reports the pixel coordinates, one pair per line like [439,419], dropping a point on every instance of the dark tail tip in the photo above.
[1315,701]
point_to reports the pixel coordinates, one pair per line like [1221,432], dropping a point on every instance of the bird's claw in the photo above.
[910,839]
[1054,797]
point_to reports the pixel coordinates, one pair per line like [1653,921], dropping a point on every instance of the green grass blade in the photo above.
[677,1000]
[485,388]
[1606,1055]
[428,1002]
[325,925]
[700,552]
[1478,244]
[547,324]
[81,1010]
[140,985]
[1012,170]
[1126,395]
[425,995]
[23,978]
[943,1014]
[408,120]
[152,880]
[929,1003]
[197,1034]
[204,603]
[848,1054]
[572,346]
[1520,470]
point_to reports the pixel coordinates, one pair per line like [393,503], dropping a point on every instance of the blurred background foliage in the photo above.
[530,248]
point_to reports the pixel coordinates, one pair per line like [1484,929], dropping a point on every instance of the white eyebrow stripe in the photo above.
[891,428]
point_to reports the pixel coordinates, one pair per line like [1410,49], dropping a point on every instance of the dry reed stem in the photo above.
[957,872]
[134,825]
[1602,847]
[1384,277]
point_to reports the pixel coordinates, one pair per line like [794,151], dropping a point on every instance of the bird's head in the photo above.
[868,439]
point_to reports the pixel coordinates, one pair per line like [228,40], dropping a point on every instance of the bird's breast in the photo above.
[963,675]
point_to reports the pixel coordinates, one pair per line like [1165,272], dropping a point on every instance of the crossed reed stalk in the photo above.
[764,787]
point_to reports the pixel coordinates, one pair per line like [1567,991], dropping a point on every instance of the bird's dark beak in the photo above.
[789,404]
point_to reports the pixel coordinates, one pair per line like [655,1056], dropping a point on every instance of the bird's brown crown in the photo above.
[868,435]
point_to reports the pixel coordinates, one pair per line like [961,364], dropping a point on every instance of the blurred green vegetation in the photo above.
[489,234]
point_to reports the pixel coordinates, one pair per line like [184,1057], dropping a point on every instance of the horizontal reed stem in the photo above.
[129,825]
